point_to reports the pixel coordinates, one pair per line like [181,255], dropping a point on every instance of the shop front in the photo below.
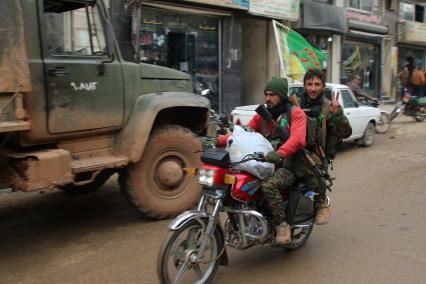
[362,49]
[411,45]
[200,38]
[185,42]
[362,57]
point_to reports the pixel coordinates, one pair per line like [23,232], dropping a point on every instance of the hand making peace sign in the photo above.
[335,106]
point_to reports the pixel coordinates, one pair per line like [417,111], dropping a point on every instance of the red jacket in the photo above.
[297,138]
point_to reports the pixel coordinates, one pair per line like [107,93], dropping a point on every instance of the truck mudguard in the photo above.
[132,139]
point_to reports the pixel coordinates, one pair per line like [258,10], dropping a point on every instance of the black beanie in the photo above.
[279,86]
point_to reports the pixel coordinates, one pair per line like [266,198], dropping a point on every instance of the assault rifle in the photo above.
[321,173]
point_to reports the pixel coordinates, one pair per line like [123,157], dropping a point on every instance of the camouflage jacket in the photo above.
[337,125]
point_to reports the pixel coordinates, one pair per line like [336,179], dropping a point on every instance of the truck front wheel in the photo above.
[157,184]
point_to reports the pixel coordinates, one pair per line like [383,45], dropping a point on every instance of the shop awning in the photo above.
[324,17]
[367,27]
[186,9]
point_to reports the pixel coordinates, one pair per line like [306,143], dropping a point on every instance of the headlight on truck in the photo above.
[206,177]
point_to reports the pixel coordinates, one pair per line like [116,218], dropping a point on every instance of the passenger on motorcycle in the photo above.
[276,99]
[326,125]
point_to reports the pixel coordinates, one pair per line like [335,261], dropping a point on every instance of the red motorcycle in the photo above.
[196,243]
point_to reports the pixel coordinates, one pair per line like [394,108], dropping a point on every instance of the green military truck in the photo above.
[73,112]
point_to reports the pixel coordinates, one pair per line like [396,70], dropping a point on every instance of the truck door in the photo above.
[84,82]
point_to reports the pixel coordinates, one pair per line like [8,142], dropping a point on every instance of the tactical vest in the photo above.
[284,120]
[316,129]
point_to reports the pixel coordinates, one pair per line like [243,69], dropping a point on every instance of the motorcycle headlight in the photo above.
[206,177]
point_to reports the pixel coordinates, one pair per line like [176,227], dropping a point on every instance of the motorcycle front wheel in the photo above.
[177,260]
[383,124]
[396,110]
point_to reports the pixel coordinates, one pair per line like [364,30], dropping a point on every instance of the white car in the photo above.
[363,119]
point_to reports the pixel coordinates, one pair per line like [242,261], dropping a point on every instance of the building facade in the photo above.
[411,35]
[229,47]
[226,46]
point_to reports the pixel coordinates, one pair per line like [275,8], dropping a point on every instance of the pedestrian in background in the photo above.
[355,85]
[418,80]
[404,80]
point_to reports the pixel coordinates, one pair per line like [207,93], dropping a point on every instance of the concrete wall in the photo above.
[259,59]
[231,63]
[389,80]
[335,58]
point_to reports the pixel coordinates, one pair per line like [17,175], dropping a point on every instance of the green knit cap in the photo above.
[279,86]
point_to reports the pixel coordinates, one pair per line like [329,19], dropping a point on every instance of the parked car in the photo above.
[362,118]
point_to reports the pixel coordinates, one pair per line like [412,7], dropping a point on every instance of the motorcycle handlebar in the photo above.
[260,157]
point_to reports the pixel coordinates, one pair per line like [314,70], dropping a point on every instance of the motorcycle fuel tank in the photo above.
[246,187]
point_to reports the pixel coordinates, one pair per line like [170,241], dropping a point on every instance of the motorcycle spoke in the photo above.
[192,238]
[184,268]
[197,270]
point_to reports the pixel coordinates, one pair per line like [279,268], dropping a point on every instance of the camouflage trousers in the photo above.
[272,187]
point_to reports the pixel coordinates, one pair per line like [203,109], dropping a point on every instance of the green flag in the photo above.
[295,53]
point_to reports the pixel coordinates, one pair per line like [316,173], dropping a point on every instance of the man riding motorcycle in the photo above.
[283,112]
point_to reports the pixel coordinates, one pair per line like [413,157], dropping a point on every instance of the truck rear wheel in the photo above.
[157,185]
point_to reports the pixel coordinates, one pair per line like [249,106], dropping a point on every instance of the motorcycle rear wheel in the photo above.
[384,123]
[174,262]
[420,116]
[299,237]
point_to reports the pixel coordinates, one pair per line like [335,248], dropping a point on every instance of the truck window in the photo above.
[73,28]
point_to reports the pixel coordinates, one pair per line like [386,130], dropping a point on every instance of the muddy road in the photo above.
[376,234]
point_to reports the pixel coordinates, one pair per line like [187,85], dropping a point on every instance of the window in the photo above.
[348,99]
[419,13]
[363,59]
[391,5]
[73,29]
[185,42]
[366,5]
[406,11]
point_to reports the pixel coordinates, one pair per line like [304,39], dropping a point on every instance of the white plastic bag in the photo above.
[243,143]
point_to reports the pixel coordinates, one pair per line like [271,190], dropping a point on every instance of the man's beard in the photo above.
[277,110]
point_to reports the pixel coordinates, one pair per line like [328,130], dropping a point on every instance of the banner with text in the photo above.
[277,9]
[295,53]
[237,4]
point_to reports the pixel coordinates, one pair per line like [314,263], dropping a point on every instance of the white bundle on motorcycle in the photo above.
[241,143]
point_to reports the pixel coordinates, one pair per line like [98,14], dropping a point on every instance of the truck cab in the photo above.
[74,111]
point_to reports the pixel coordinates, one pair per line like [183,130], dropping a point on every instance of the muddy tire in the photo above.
[173,265]
[368,137]
[157,185]
[99,181]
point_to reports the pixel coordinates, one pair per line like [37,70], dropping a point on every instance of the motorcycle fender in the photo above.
[186,216]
